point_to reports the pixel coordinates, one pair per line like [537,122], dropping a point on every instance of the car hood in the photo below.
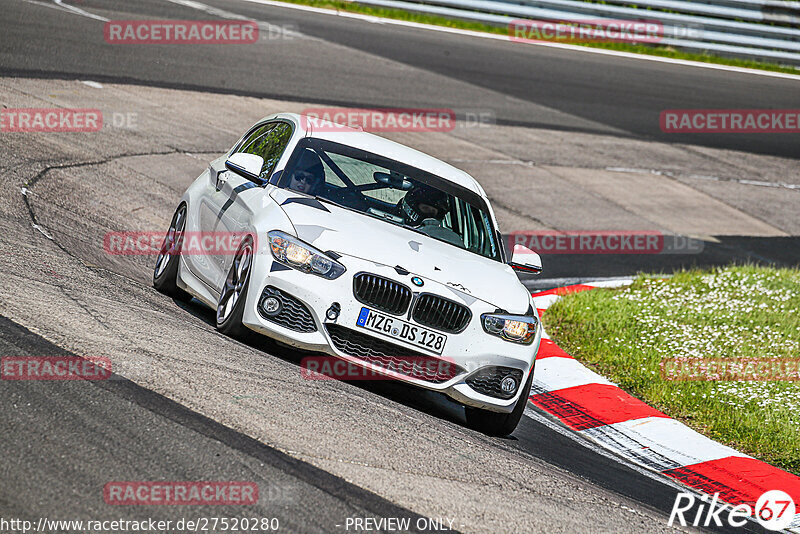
[331,228]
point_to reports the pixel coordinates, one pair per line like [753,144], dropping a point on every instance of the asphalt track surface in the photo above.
[365,67]
[69,439]
[345,62]
[140,429]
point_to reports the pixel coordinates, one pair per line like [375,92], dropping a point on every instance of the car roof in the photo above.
[323,129]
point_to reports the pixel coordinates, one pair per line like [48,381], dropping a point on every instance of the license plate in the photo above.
[406,332]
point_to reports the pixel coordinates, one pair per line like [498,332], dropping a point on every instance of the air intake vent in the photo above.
[292,313]
[488,381]
[442,314]
[393,357]
[381,293]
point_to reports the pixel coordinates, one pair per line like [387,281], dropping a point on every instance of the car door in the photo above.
[225,210]
[205,266]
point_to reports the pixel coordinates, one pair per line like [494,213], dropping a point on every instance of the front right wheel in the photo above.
[165,273]
[499,424]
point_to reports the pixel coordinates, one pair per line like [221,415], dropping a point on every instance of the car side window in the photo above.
[251,137]
[269,142]
[473,236]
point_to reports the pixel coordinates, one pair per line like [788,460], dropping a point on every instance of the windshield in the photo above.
[392,192]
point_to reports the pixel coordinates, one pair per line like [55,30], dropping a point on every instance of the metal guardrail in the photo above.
[770,11]
[767,30]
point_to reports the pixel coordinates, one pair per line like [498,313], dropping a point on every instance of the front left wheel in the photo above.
[234,293]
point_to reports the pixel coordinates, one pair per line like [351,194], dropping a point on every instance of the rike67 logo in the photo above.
[775,510]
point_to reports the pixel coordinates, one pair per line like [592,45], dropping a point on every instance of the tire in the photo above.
[499,424]
[165,272]
[230,307]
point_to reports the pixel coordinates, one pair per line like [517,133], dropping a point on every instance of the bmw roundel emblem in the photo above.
[417,281]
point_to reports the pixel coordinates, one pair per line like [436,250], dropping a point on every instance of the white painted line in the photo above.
[553,374]
[50,5]
[611,283]
[759,183]
[542,284]
[522,162]
[79,11]
[90,83]
[631,170]
[664,437]
[235,16]
[545,301]
[613,454]
[42,231]
[443,29]
[498,37]
[592,445]
[671,174]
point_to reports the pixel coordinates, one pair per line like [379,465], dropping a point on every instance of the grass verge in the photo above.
[728,313]
[436,20]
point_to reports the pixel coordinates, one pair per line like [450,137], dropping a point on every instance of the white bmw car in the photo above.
[364,249]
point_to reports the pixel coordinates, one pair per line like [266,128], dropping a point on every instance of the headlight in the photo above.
[515,328]
[294,253]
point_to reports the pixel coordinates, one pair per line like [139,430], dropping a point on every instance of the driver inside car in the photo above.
[424,208]
[309,174]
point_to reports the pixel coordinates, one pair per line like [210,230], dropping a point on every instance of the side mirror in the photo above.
[524,260]
[247,165]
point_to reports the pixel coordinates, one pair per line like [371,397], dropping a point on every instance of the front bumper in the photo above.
[471,350]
